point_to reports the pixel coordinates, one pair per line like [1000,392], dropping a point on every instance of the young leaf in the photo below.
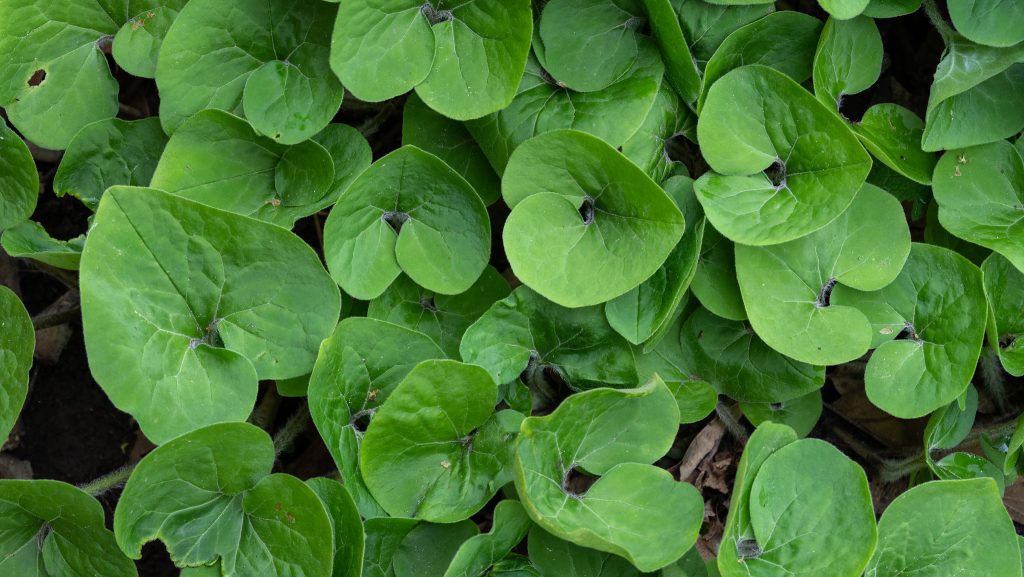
[574,196]
[137,43]
[787,287]
[892,134]
[800,414]
[409,212]
[706,25]
[19,182]
[52,528]
[548,344]
[17,343]
[991,22]
[928,329]
[714,282]
[980,194]
[224,505]
[181,302]
[107,153]
[345,524]
[844,9]
[1004,290]
[481,552]
[463,59]
[634,510]
[443,318]
[942,526]
[786,165]
[436,450]
[554,557]
[950,425]
[266,60]
[219,160]
[30,240]
[428,549]
[739,364]
[357,368]
[848,59]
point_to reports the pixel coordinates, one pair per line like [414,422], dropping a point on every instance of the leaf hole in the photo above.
[776,173]
[576,482]
[37,77]
[435,16]
[395,220]
[587,209]
[747,548]
[825,294]
[361,420]
[909,333]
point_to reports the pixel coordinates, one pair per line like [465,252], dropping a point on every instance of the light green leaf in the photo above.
[991,22]
[950,425]
[714,282]
[667,119]
[980,193]
[345,524]
[707,25]
[739,364]
[30,240]
[696,398]
[19,182]
[17,343]
[357,368]
[607,224]
[383,537]
[429,548]
[525,334]
[137,43]
[848,59]
[844,9]
[107,153]
[946,528]
[799,414]
[934,233]
[181,301]
[480,553]
[1004,290]
[266,60]
[891,8]
[787,287]
[892,134]
[680,66]
[785,164]
[554,557]
[928,325]
[409,212]
[961,465]
[443,318]
[436,450]
[225,505]
[52,528]
[634,510]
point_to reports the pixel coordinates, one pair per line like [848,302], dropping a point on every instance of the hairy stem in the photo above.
[938,21]
[992,378]
[111,480]
[293,427]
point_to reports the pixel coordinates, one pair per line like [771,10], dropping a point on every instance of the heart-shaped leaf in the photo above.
[574,196]
[928,328]
[19,182]
[52,528]
[787,288]
[266,60]
[634,510]
[1004,290]
[225,505]
[525,334]
[409,212]
[30,240]
[730,356]
[357,368]
[181,301]
[940,528]
[799,414]
[991,22]
[464,59]
[17,343]
[785,164]
[892,134]
[980,193]
[137,44]
[714,282]
[848,59]
[345,524]
[481,552]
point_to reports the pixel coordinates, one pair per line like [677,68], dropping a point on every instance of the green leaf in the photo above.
[107,153]
[181,301]
[844,9]
[548,344]
[30,240]
[266,60]
[808,511]
[635,510]
[137,43]
[409,212]
[934,233]
[960,465]
[892,134]
[514,566]
[739,364]
[942,528]
[980,194]
[891,8]
[667,119]
[219,160]
[52,528]
[973,99]
[784,41]
[1004,291]
[345,524]
[225,505]
[556,557]
[680,67]
[443,318]
[19,182]
[450,141]
[383,537]
[645,310]
[481,552]
[696,398]
[785,164]
[848,59]
[928,325]
[787,287]
[17,343]
[609,224]
[991,22]
[464,59]
[357,368]
[799,414]
[714,282]
[949,426]
[428,549]
[541,105]
[707,25]
[436,450]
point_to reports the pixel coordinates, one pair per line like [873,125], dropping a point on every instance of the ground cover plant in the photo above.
[516,288]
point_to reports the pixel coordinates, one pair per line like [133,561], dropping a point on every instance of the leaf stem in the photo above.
[293,427]
[938,21]
[114,479]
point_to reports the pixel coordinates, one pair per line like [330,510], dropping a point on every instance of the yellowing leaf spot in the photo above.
[886,331]
[445,464]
